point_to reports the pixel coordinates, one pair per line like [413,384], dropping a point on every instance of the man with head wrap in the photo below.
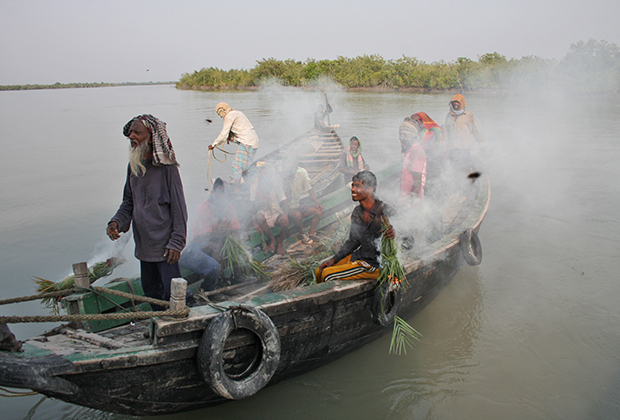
[461,132]
[154,203]
[238,129]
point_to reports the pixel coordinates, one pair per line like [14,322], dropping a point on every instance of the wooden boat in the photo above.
[232,349]
[318,153]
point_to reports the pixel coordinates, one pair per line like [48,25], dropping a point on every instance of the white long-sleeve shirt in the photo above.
[238,124]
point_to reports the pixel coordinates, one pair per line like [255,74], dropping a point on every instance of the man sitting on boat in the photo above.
[352,161]
[267,197]
[237,129]
[296,183]
[215,220]
[154,203]
[358,258]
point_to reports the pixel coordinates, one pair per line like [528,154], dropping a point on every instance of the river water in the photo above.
[531,333]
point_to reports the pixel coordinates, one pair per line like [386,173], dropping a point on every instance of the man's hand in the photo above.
[112,231]
[173,255]
[326,264]
[211,147]
[389,233]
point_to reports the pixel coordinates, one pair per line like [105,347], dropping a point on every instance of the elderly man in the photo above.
[358,258]
[153,201]
[238,129]
[461,131]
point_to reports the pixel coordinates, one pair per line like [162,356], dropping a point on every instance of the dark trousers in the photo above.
[156,278]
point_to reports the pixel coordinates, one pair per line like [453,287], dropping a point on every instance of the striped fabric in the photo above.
[347,270]
[163,153]
[242,161]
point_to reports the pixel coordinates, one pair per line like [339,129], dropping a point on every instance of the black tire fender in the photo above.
[386,301]
[471,247]
[210,356]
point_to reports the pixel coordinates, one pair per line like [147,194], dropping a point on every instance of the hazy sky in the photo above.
[48,41]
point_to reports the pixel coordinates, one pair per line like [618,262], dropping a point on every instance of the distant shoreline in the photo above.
[79,85]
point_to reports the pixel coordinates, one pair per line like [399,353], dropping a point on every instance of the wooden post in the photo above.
[178,289]
[81,275]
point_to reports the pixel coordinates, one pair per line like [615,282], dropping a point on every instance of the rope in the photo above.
[210,163]
[129,296]
[36,297]
[94,317]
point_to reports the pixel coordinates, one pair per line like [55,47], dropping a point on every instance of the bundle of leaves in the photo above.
[95,272]
[392,271]
[391,268]
[237,261]
[295,274]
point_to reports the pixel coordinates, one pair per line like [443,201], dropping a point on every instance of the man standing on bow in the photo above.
[461,130]
[237,129]
[154,203]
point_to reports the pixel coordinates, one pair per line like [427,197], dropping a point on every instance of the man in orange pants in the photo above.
[358,258]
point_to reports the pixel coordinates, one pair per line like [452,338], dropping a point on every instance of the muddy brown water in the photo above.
[533,332]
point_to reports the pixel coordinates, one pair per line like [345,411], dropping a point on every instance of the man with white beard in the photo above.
[154,202]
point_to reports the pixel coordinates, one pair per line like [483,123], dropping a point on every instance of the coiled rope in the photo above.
[210,163]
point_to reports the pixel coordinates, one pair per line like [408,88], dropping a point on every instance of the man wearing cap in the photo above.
[461,131]
[237,129]
[154,203]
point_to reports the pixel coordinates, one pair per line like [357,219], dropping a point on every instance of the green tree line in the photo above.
[588,67]
[59,85]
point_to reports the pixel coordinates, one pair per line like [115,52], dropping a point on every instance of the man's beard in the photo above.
[135,158]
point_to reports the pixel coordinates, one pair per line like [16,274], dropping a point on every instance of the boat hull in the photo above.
[317,324]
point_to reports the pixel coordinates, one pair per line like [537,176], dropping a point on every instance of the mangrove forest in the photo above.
[588,67]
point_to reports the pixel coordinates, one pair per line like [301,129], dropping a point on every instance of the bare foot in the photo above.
[281,249]
[271,246]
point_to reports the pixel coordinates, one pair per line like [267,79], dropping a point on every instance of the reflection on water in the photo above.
[530,333]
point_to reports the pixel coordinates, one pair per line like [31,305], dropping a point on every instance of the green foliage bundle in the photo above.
[392,270]
[95,272]
[236,260]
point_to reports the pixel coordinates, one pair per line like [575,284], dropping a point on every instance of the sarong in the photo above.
[242,161]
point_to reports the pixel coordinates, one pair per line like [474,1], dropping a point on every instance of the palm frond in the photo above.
[403,336]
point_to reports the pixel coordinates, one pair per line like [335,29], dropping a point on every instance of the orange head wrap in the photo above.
[460,99]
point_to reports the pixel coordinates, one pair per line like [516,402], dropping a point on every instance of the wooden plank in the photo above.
[95,339]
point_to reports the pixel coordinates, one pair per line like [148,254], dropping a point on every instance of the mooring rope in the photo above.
[92,317]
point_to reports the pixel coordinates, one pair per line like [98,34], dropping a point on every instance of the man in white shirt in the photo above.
[237,129]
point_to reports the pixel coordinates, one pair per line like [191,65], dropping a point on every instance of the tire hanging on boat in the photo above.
[385,303]
[210,355]
[471,247]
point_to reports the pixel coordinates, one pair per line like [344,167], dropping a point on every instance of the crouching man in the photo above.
[358,258]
